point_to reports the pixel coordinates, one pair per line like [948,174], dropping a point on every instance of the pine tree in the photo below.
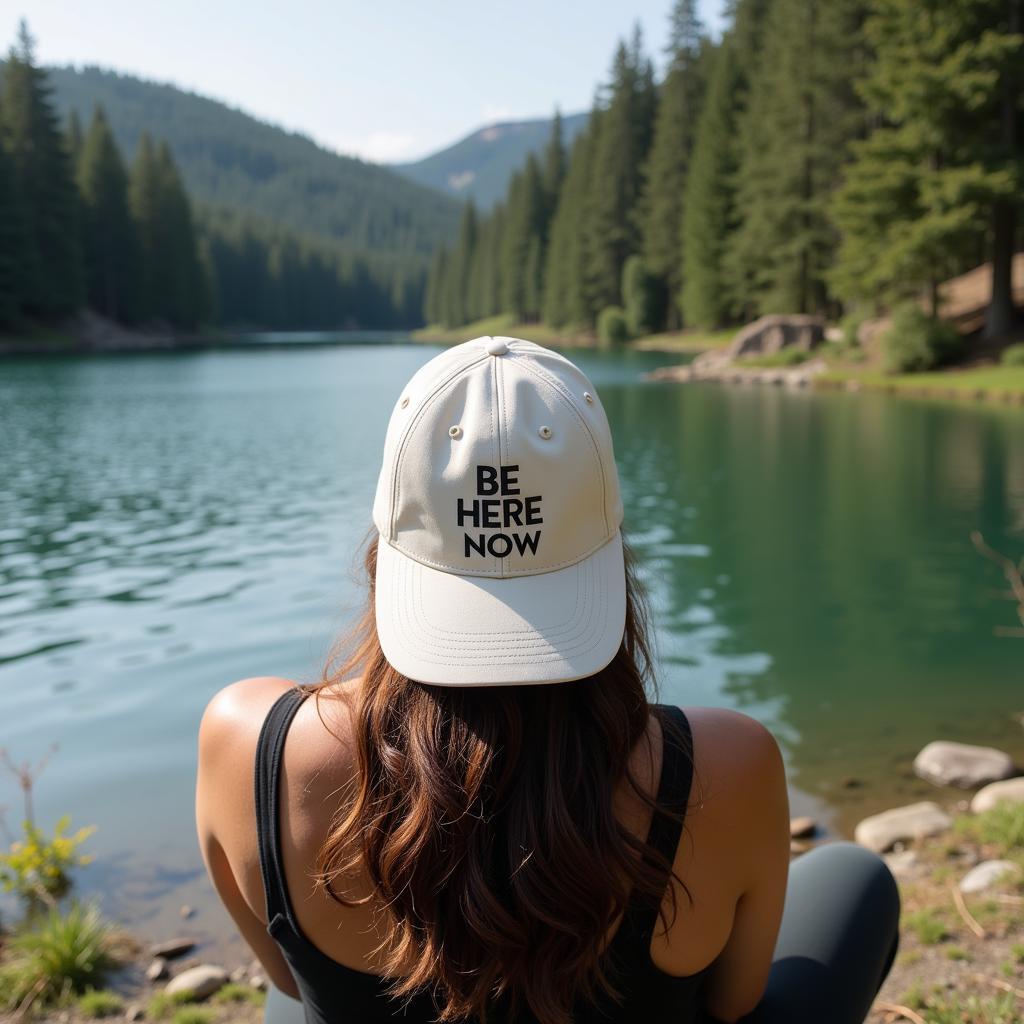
[464,256]
[945,161]
[710,197]
[566,301]
[675,129]
[794,140]
[73,136]
[50,271]
[554,166]
[111,250]
[524,225]
[11,243]
[185,289]
[145,202]
[623,138]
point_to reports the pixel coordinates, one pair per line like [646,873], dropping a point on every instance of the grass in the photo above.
[690,340]
[957,953]
[505,325]
[975,1010]
[60,955]
[163,1002]
[1017,952]
[986,381]
[1002,828]
[927,925]
[193,1015]
[232,992]
[97,1003]
[784,357]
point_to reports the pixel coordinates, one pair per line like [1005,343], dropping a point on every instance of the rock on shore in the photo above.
[1009,790]
[986,874]
[883,831]
[960,764]
[201,981]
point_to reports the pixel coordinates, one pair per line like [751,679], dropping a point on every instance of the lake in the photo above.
[171,523]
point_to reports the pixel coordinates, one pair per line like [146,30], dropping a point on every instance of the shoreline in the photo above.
[955,845]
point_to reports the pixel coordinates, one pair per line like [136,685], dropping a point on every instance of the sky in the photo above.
[386,80]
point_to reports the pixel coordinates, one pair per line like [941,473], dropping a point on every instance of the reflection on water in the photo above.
[171,523]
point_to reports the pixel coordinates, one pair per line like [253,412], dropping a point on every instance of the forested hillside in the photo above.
[819,158]
[231,160]
[480,166]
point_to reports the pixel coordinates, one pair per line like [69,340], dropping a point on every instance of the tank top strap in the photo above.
[666,829]
[269,752]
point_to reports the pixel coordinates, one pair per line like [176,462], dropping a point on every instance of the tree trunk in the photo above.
[1001,313]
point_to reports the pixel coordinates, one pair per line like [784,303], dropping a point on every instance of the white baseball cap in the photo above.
[498,508]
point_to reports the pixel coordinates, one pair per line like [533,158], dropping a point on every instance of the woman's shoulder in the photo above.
[235,714]
[737,761]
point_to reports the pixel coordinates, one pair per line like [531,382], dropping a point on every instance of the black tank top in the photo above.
[335,994]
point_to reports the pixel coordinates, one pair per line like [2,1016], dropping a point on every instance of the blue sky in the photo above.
[382,79]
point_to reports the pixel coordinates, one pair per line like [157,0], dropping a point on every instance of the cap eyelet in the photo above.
[545,432]
[588,398]
[404,402]
[455,432]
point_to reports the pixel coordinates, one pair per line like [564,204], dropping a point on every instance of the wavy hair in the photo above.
[484,818]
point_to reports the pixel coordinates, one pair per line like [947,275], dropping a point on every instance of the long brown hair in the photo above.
[484,818]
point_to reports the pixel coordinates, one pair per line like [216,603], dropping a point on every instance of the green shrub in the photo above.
[927,926]
[101,1003]
[1013,355]
[163,1002]
[1001,827]
[235,993]
[38,866]
[61,954]
[192,1015]
[916,342]
[611,326]
[640,295]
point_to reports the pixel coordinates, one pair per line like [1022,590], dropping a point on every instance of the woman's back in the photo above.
[732,856]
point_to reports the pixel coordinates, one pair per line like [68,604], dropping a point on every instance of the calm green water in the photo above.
[169,524]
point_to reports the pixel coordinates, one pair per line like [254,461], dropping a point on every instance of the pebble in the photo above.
[172,948]
[134,1012]
[202,981]
[960,764]
[986,874]
[882,831]
[238,975]
[258,982]
[902,863]
[802,828]
[157,970]
[186,911]
[797,847]
[1011,790]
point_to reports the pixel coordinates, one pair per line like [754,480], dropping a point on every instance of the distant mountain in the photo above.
[235,162]
[480,165]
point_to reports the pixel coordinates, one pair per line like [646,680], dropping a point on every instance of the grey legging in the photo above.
[837,942]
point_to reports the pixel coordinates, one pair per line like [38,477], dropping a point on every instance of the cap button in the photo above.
[496,346]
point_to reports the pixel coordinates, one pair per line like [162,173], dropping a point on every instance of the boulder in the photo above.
[986,874]
[883,831]
[258,982]
[1010,790]
[172,948]
[771,334]
[201,981]
[960,764]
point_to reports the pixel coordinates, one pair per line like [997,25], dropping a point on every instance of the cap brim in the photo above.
[448,630]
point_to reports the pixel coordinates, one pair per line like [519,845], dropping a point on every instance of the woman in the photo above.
[479,815]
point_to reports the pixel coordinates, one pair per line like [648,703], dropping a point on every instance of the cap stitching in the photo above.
[459,570]
[400,453]
[451,640]
[567,397]
[567,628]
